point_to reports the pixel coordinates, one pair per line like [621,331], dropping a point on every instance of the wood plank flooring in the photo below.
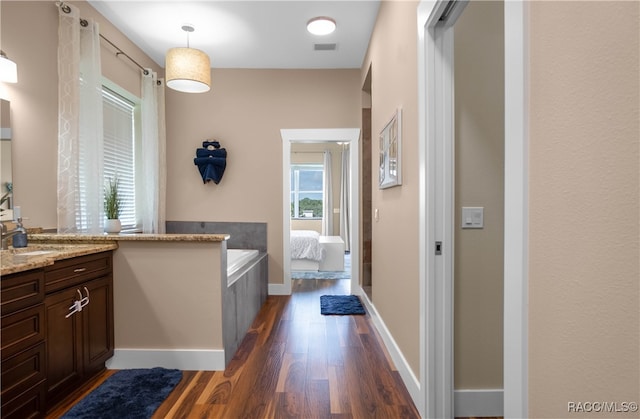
[293,363]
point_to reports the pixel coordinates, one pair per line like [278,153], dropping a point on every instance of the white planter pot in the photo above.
[112,226]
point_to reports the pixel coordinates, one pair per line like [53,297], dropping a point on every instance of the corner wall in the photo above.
[584,273]
[393,60]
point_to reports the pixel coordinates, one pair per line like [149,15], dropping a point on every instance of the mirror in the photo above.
[6,177]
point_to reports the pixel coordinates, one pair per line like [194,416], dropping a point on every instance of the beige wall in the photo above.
[150,290]
[479,182]
[30,37]
[245,111]
[393,59]
[584,316]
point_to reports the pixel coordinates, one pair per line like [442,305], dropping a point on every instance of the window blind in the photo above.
[119,151]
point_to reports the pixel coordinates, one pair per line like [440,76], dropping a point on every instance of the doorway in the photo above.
[292,136]
[478,172]
[435,96]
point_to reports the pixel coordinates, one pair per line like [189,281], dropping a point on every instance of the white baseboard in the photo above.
[182,359]
[279,289]
[477,403]
[407,375]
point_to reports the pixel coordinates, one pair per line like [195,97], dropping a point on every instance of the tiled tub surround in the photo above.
[173,307]
[241,300]
[243,235]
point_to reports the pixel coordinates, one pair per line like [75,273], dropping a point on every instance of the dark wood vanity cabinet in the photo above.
[47,351]
[78,341]
[23,345]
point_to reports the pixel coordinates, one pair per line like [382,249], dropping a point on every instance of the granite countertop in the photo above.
[36,256]
[45,248]
[101,238]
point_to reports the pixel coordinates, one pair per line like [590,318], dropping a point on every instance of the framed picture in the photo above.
[390,173]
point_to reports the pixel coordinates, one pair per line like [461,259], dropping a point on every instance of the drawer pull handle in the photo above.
[78,270]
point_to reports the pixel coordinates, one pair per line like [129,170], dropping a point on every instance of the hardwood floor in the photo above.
[293,363]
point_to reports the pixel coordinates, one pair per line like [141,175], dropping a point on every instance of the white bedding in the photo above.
[305,244]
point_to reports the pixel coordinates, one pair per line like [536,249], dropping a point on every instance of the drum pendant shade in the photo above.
[188,70]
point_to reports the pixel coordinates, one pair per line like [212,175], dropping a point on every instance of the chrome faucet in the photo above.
[6,235]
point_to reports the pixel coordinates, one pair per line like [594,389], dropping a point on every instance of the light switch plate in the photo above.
[472,217]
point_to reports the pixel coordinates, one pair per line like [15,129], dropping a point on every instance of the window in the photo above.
[306,190]
[120,126]
[119,122]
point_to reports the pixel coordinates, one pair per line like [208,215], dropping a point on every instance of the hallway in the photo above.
[296,363]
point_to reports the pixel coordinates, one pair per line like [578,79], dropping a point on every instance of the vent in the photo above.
[324,47]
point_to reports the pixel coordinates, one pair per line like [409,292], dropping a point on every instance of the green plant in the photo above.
[112,201]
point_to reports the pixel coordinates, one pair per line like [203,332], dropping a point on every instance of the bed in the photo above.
[312,252]
[306,252]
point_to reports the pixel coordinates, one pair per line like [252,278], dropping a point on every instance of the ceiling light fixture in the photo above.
[321,25]
[8,69]
[188,69]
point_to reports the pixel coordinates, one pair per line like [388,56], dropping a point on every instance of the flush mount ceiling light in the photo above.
[8,69]
[321,25]
[188,69]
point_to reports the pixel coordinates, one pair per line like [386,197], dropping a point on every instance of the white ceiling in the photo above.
[247,34]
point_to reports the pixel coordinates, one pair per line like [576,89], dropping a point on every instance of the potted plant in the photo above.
[112,207]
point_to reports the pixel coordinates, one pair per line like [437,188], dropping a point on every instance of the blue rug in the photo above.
[341,305]
[346,274]
[134,394]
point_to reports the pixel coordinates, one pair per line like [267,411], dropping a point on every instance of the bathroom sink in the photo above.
[37,249]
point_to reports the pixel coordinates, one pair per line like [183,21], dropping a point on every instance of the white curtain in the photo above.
[80,134]
[345,227]
[327,193]
[153,155]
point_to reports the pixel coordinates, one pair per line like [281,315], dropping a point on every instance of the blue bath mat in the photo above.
[341,305]
[127,394]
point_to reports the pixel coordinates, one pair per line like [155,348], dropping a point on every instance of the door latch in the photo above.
[438,248]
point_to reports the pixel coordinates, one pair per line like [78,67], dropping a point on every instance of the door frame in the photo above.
[436,151]
[435,130]
[289,136]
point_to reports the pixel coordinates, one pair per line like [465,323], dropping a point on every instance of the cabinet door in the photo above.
[97,319]
[64,356]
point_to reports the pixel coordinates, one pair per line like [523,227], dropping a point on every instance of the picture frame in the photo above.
[390,172]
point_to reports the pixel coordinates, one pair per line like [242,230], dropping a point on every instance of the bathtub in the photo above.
[237,258]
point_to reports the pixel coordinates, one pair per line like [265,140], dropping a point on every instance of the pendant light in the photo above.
[8,69]
[188,69]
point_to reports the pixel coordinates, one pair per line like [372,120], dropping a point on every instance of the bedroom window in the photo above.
[306,191]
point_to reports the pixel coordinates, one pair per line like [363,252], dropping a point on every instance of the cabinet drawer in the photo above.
[30,404]
[67,273]
[22,371]
[22,329]
[21,290]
